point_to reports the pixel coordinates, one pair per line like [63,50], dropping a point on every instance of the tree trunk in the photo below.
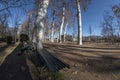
[64,38]
[29,31]
[52,34]
[15,34]
[62,23]
[34,35]
[118,38]
[79,23]
[57,37]
[42,11]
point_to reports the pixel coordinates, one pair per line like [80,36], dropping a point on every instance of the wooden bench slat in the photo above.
[45,57]
[52,61]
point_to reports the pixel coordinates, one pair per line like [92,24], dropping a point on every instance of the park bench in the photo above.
[45,57]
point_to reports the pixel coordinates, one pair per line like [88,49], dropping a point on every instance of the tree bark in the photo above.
[57,37]
[62,23]
[52,34]
[34,35]
[64,38]
[79,23]
[42,11]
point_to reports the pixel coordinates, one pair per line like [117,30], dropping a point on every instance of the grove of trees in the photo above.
[44,20]
[111,26]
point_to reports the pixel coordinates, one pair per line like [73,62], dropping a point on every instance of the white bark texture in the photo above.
[79,23]
[62,23]
[53,23]
[57,37]
[65,28]
[34,37]
[42,11]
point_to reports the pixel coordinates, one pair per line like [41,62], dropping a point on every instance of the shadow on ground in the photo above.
[3,48]
[14,67]
[102,64]
[24,67]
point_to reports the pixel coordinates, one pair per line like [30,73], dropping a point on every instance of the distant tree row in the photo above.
[111,25]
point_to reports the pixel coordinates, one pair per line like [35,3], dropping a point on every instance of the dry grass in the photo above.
[88,62]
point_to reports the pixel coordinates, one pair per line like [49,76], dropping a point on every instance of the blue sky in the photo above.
[94,15]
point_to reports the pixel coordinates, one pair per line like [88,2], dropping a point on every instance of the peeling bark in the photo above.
[65,28]
[62,23]
[42,11]
[53,23]
[79,23]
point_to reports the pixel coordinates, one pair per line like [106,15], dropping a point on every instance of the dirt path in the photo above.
[3,46]
[88,63]
[14,67]
[5,50]
[24,67]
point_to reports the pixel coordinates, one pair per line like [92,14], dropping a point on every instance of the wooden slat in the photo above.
[52,62]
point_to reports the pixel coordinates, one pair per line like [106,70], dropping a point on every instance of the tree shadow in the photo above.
[35,58]
[15,67]
[3,48]
[78,47]
[40,65]
[101,64]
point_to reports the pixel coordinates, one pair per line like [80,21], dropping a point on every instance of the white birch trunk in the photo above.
[52,34]
[65,32]
[57,37]
[62,23]
[42,11]
[30,25]
[34,37]
[29,32]
[79,23]
[43,37]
